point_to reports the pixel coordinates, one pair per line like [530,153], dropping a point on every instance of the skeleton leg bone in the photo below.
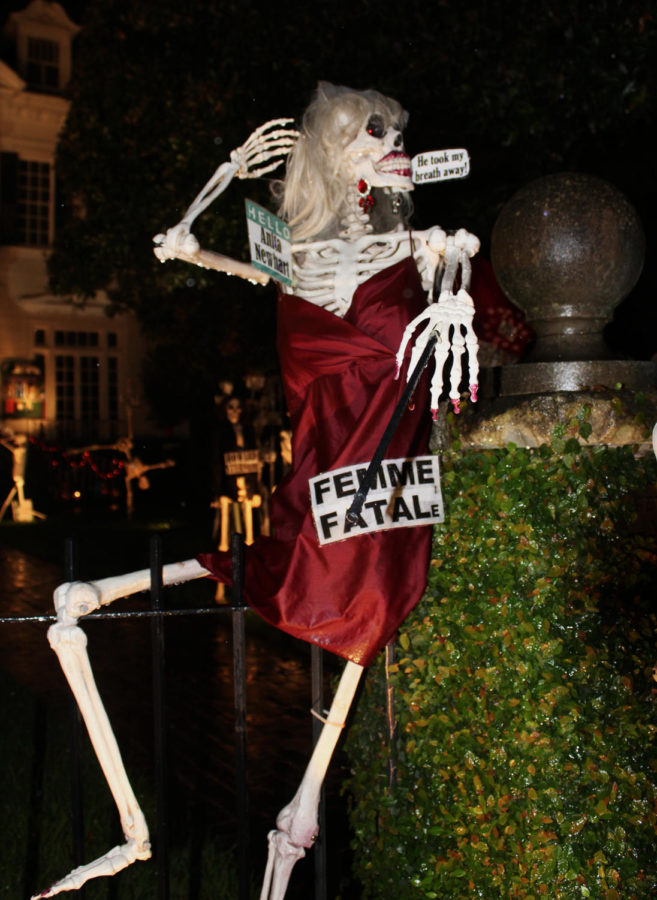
[296,824]
[9,498]
[248,505]
[69,642]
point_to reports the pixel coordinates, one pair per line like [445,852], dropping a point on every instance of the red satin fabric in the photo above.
[351,596]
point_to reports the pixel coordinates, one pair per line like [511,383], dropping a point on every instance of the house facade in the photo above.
[68,372]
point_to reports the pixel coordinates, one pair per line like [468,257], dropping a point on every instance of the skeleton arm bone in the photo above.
[261,153]
[68,640]
[208,259]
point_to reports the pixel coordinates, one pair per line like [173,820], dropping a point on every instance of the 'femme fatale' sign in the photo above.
[405,492]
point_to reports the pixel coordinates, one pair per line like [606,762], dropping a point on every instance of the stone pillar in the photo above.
[566,248]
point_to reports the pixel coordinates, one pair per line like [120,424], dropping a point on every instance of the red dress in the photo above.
[348,597]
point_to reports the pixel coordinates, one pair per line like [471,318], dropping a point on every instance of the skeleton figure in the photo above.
[342,235]
[22,508]
[345,197]
[134,469]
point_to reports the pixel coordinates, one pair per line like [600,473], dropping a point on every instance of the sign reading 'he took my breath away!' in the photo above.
[405,492]
[440,165]
[269,240]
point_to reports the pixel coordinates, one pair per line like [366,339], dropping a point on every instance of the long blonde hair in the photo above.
[313,195]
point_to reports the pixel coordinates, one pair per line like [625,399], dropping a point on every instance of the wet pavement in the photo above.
[199,698]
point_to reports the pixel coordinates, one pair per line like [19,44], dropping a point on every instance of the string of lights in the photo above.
[103,467]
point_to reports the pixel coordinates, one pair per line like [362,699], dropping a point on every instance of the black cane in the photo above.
[353,513]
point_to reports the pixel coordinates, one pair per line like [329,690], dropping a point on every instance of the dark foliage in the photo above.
[164,91]
[523,690]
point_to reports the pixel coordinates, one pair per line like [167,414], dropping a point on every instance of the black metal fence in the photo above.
[158,613]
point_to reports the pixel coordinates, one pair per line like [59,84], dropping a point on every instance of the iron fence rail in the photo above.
[157,613]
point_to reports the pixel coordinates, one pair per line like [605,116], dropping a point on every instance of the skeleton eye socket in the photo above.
[375,126]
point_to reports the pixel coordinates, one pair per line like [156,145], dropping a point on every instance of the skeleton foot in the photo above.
[113,861]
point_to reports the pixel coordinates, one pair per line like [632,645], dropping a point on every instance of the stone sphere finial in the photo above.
[567,248]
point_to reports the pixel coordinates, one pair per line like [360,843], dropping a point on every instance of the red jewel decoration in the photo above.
[365,201]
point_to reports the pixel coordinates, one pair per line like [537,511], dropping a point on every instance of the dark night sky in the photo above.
[644,339]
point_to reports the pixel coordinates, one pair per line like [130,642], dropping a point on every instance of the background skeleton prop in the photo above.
[22,508]
[361,280]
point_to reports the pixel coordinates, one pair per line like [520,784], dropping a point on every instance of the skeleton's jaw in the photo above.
[395,171]
[392,171]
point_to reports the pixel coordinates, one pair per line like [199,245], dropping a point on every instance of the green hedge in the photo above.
[523,688]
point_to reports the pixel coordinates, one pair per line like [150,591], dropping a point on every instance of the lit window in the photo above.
[43,64]
[33,202]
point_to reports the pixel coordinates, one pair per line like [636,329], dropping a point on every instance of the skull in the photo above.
[377,155]
[233,411]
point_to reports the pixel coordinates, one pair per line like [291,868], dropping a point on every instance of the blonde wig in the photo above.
[313,195]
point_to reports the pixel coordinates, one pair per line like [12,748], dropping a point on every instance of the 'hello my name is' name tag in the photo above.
[269,242]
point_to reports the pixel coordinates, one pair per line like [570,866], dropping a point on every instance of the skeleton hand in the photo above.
[452,311]
[268,142]
[467,242]
[176,242]
[261,153]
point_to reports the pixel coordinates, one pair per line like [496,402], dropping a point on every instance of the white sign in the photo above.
[242,462]
[440,165]
[405,492]
[269,240]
